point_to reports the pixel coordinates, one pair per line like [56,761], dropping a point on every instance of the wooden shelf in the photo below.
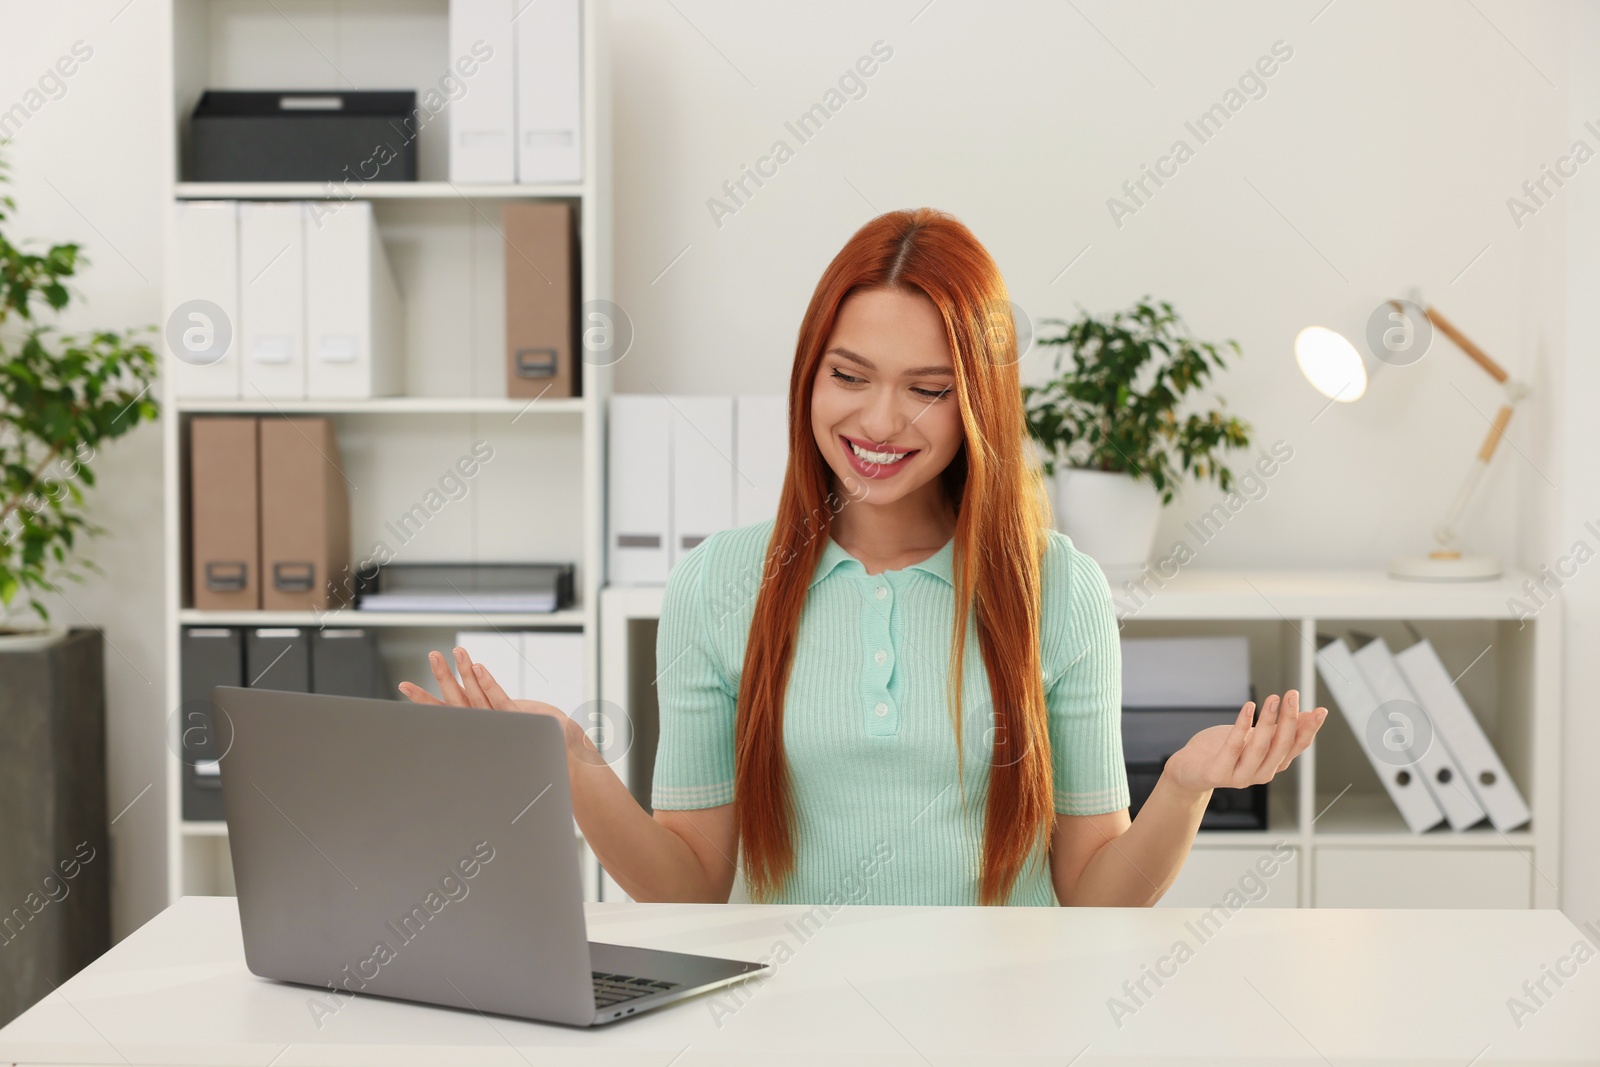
[1325,594]
[219,828]
[1370,819]
[1356,850]
[543,496]
[444,190]
[392,405]
[442,620]
[1207,596]
[1281,823]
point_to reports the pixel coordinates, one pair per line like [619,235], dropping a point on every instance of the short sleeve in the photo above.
[1083,687]
[694,753]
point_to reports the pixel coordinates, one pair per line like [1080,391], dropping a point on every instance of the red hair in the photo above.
[1002,521]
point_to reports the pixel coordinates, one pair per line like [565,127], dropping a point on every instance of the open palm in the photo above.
[1231,757]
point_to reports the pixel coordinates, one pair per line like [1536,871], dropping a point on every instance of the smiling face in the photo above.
[886,383]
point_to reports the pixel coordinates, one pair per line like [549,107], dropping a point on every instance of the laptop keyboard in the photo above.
[612,989]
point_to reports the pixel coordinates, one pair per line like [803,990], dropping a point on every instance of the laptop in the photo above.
[425,853]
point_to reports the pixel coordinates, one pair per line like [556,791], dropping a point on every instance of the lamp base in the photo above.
[1444,566]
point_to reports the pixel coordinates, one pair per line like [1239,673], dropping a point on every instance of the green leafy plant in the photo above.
[61,396]
[1116,407]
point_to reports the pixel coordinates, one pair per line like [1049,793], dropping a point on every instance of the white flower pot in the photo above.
[29,637]
[1111,516]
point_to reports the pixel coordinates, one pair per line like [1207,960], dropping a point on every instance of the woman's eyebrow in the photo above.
[914,372]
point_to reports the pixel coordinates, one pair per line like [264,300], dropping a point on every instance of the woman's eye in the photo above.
[927,394]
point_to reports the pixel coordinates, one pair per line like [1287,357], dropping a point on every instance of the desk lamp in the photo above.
[1336,370]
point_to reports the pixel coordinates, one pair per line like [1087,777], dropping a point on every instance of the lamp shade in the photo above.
[1330,363]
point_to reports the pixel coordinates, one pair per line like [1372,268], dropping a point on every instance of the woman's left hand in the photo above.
[1230,757]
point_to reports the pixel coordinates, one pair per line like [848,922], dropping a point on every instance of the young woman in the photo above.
[824,717]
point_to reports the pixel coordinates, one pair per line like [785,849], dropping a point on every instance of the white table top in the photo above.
[886,986]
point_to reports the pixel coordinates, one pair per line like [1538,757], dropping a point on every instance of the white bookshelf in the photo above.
[542,497]
[391,405]
[1349,845]
[418,190]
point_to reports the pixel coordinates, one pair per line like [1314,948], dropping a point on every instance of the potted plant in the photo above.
[61,396]
[1114,444]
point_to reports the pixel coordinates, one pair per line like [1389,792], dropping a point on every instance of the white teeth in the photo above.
[877,457]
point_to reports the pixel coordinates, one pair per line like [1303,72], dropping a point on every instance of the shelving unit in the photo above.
[1345,842]
[419,190]
[391,405]
[542,496]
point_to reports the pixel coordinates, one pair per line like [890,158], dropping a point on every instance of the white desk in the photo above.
[886,986]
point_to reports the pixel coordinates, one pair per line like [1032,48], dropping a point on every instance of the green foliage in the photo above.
[1115,409]
[60,397]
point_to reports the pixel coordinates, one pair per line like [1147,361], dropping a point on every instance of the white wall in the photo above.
[1580,483]
[1389,140]
[1379,159]
[85,167]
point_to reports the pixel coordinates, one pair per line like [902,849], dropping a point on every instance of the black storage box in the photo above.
[212,656]
[1151,735]
[303,136]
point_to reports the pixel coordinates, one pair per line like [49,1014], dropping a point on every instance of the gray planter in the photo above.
[55,862]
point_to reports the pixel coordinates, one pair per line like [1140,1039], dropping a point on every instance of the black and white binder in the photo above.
[278,657]
[1482,773]
[212,656]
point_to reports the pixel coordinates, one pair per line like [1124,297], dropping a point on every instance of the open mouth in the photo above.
[875,464]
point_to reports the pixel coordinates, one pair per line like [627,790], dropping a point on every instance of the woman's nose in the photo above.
[882,418]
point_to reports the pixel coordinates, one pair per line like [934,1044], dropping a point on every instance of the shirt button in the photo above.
[882,592]
[882,708]
[879,656]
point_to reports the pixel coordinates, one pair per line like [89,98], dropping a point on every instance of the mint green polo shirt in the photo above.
[866,726]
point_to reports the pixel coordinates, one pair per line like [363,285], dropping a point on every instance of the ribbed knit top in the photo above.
[866,724]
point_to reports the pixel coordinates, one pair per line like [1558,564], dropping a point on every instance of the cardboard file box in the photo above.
[305,514]
[225,549]
[542,283]
[303,136]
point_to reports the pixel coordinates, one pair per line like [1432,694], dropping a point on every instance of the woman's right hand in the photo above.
[476,689]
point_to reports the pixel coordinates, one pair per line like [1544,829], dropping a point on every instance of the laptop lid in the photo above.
[405,850]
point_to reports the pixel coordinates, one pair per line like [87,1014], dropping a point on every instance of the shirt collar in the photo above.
[938,564]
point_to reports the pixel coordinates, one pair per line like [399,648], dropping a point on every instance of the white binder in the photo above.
[482,120]
[531,665]
[761,452]
[354,317]
[272,299]
[1338,671]
[639,477]
[501,652]
[702,470]
[203,300]
[1484,776]
[549,48]
[1434,761]
[554,668]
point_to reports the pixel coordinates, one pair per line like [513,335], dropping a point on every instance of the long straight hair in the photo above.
[1002,519]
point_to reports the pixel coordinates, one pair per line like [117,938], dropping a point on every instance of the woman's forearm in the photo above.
[648,860]
[1135,868]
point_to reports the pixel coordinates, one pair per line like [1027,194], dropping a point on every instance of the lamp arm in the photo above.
[1445,532]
